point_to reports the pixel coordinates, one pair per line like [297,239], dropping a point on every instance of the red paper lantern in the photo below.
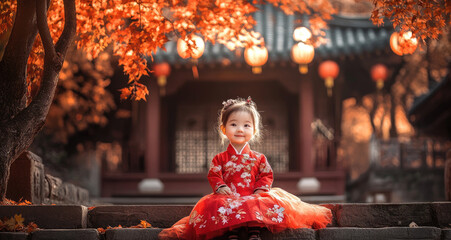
[379,74]
[328,70]
[256,56]
[162,71]
[302,54]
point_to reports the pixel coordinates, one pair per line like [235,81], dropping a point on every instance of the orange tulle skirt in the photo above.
[276,210]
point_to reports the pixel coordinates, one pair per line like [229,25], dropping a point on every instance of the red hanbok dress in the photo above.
[244,173]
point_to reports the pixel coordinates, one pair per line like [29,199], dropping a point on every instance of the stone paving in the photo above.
[351,221]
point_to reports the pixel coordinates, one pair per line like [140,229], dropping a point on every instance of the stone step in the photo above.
[345,215]
[437,214]
[50,216]
[344,233]
[160,216]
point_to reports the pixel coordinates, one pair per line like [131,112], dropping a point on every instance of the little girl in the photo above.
[241,180]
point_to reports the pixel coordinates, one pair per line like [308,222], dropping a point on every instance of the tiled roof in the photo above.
[346,36]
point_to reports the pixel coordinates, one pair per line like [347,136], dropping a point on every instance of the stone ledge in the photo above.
[442,213]
[446,234]
[383,215]
[13,236]
[159,216]
[51,216]
[132,233]
[291,234]
[423,233]
[66,234]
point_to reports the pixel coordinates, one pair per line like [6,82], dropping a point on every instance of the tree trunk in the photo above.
[20,123]
[393,130]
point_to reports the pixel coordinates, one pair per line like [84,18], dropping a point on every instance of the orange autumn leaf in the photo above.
[142,224]
[21,202]
[125,93]
[16,224]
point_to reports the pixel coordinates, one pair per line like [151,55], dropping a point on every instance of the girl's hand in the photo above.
[225,191]
[259,191]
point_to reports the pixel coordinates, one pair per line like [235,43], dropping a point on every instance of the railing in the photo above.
[414,153]
[325,154]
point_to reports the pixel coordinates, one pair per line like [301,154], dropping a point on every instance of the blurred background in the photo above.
[353,120]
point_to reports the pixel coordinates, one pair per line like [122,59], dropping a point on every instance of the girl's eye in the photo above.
[247,125]
[233,124]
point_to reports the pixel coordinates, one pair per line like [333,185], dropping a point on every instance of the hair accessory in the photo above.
[249,100]
[228,103]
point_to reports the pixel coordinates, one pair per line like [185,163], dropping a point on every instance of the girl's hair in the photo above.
[236,105]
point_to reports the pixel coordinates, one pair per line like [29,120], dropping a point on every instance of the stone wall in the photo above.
[28,181]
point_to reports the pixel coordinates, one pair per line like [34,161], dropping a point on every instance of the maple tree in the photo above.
[39,34]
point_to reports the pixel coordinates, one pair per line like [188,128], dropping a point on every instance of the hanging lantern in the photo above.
[379,75]
[328,70]
[302,34]
[196,53]
[256,57]
[302,54]
[408,43]
[162,71]
[403,44]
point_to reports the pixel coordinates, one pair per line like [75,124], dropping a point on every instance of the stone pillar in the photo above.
[26,179]
[308,183]
[152,156]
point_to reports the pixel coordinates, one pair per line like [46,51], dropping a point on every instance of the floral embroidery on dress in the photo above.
[231,208]
[276,213]
[196,219]
[259,216]
[215,168]
[265,167]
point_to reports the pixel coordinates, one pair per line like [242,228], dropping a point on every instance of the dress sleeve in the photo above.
[265,177]
[215,174]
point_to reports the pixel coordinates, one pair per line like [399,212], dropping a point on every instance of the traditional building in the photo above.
[173,137]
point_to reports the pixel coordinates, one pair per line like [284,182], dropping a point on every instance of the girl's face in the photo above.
[239,128]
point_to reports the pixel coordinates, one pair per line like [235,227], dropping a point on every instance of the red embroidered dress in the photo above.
[244,173]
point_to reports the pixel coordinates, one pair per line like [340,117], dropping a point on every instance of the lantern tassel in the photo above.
[195,72]
[303,69]
[379,84]
[256,70]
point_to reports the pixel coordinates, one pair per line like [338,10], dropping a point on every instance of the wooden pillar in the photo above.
[308,183]
[306,119]
[152,131]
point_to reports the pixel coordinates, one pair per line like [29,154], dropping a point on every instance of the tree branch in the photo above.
[13,85]
[70,27]
[43,27]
